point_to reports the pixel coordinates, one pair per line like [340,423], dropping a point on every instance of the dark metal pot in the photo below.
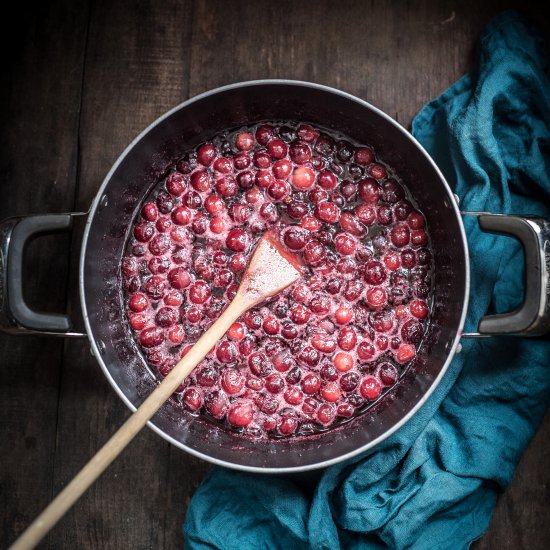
[184,127]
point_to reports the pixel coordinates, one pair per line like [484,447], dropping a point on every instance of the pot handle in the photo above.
[532,318]
[16,316]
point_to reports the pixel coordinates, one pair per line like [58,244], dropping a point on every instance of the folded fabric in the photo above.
[433,484]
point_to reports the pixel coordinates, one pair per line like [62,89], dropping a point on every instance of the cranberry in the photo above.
[353,290]
[293,396]
[300,153]
[247,345]
[267,404]
[307,133]
[405,353]
[320,304]
[245,179]
[370,388]
[259,364]
[326,413]
[269,212]
[375,273]
[323,343]
[226,186]
[310,406]
[416,220]
[237,263]
[370,191]
[232,381]
[294,376]
[264,134]
[299,314]
[261,159]
[408,258]
[365,214]
[402,209]
[192,200]
[271,325]
[206,154]
[176,334]
[345,410]
[328,372]
[400,235]
[277,148]
[166,317]
[311,384]
[214,204]
[199,292]
[345,244]
[365,351]
[155,287]
[192,399]
[144,231]
[343,361]
[418,309]
[314,252]
[236,240]
[217,225]
[303,177]
[363,156]
[164,224]
[295,238]
[351,224]
[377,297]
[151,337]
[349,381]
[223,278]
[347,338]
[327,212]
[223,165]
[392,191]
[278,190]
[331,392]
[165,202]
[200,181]
[388,374]
[324,145]
[199,224]
[236,331]
[149,212]
[419,237]
[137,320]
[207,376]
[176,184]
[288,425]
[343,315]
[282,169]
[244,141]
[264,178]
[381,321]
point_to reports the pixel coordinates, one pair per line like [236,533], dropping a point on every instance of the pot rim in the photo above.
[258,469]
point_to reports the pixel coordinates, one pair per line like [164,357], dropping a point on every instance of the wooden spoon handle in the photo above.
[101,460]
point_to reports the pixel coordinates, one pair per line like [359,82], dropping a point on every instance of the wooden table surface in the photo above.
[81,79]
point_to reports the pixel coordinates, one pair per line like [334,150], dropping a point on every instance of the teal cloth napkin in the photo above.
[434,483]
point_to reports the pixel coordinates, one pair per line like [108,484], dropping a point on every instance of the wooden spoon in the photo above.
[271,270]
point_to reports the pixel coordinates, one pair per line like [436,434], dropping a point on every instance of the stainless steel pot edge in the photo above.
[452,349]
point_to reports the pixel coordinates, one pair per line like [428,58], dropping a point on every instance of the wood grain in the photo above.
[84,79]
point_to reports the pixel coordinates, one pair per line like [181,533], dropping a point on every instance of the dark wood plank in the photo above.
[38,150]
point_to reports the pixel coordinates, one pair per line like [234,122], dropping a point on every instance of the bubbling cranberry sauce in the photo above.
[331,344]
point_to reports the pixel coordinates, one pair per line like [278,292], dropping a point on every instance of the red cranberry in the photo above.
[393,192]
[192,398]
[388,374]
[247,345]
[223,165]
[320,305]
[164,224]
[326,413]
[323,343]
[345,410]
[264,134]
[237,240]
[365,351]
[377,171]
[239,212]
[192,200]
[331,392]
[303,177]
[244,141]
[216,404]
[200,181]
[176,184]
[295,238]
[300,153]
[282,169]
[370,388]
[411,332]
[253,320]
[232,381]
[199,292]
[214,204]
[261,159]
[363,156]
[347,338]
[207,376]
[241,161]
[271,325]
[327,212]
[206,154]
[400,235]
[353,290]
[419,237]
[402,209]
[343,361]
[324,145]
[374,273]
[165,202]
[377,297]
[365,214]
[334,286]
[199,224]
[258,364]
[288,425]
[416,220]
[236,332]
[293,396]
[348,189]
[369,191]
[351,224]
[138,302]
[137,320]
[277,148]
[278,190]
[226,352]
[264,178]
[405,353]
[327,180]
[223,278]
[226,186]
[237,263]
[345,244]
[328,372]
[314,252]
[144,231]
[381,321]
[308,356]
[245,179]
[307,133]
[194,314]
[311,384]
[149,212]
[343,315]
[309,407]
[310,223]
[176,335]
[299,314]
[129,266]
[418,309]
[166,317]
[269,212]
[408,258]
[349,381]
[155,287]
[151,337]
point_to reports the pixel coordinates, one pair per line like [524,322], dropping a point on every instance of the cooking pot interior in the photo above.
[148,157]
